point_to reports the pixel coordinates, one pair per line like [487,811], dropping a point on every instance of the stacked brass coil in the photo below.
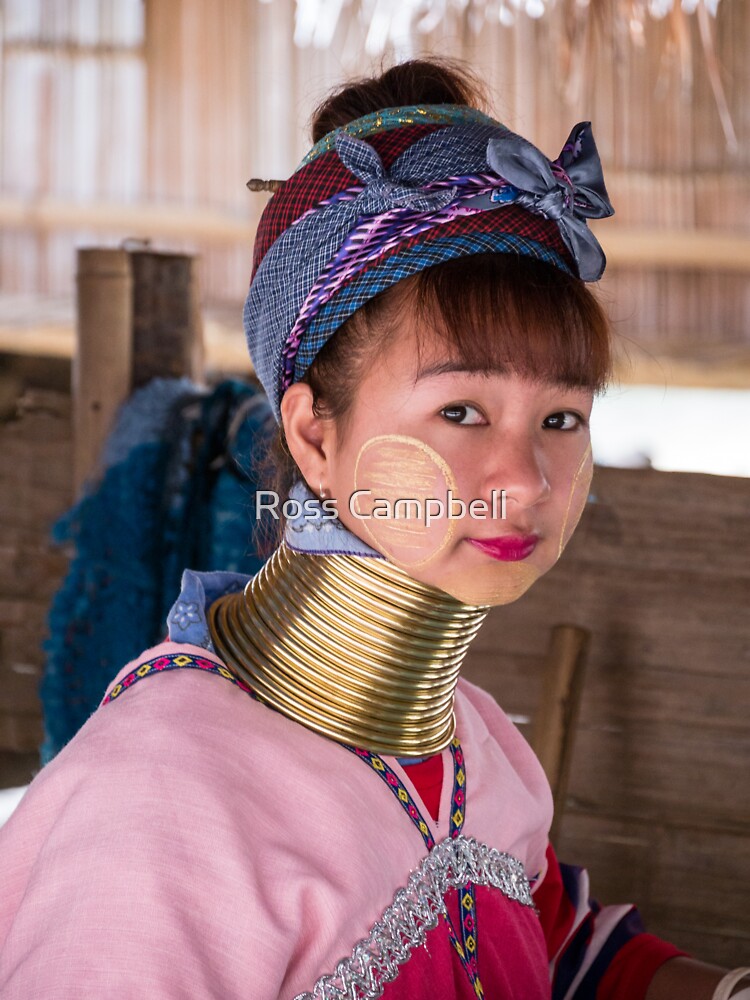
[350,647]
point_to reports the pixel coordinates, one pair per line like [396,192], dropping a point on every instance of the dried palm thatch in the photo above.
[585,25]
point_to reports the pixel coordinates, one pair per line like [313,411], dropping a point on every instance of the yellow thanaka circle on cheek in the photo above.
[403,473]
[579,492]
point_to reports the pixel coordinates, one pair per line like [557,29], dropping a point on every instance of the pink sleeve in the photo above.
[126,873]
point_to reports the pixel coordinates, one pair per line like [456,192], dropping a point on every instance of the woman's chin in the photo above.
[492,589]
[454,570]
[490,585]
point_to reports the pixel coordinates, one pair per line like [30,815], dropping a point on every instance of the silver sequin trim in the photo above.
[415,910]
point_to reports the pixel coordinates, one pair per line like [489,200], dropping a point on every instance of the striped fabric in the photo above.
[314,183]
[387,167]
[522,233]
[595,952]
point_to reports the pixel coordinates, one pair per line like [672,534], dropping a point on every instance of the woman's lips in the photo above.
[508,548]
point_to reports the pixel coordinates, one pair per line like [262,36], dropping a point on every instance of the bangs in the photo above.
[508,313]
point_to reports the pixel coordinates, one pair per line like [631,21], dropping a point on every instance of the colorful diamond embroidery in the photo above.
[175,661]
[466,947]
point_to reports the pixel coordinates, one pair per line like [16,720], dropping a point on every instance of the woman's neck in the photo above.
[350,647]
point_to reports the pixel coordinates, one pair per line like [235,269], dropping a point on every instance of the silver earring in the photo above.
[321,490]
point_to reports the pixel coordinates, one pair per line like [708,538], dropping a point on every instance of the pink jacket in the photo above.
[190,842]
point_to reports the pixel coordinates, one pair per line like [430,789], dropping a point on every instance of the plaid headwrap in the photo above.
[398,191]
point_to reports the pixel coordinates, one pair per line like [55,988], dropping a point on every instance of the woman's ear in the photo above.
[308,436]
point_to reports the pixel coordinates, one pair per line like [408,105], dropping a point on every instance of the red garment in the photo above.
[427,778]
[511,957]
[619,966]
[595,952]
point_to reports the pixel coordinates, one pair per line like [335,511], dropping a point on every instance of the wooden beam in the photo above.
[675,249]
[71,50]
[224,346]
[137,221]
[625,246]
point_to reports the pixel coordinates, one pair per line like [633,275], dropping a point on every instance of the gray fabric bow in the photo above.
[569,197]
[381,193]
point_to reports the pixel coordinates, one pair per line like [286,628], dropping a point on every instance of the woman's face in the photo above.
[427,431]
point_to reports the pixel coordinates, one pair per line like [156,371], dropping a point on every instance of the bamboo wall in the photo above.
[72,92]
[148,120]
[35,488]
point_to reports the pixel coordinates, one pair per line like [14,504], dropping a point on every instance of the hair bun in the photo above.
[419,81]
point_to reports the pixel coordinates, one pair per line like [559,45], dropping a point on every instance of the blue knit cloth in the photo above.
[177,490]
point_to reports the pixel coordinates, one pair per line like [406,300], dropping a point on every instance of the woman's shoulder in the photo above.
[176,731]
[151,825]
[178,708]
[179,658]
[169,718]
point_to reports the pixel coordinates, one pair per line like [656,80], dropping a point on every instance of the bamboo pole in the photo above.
[554,726]
[103,357]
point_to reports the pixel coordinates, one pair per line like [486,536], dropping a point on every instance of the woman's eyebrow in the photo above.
[456,366]
[460,367]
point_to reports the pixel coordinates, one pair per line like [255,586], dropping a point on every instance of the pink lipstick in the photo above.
[508,548]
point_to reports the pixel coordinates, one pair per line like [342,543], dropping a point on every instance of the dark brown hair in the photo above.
[494,312]
[419,81]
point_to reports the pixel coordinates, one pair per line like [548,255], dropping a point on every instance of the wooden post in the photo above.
[553,733]
[103,358]
[167,335]
[138,319]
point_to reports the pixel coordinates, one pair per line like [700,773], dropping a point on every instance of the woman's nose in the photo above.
[518,468]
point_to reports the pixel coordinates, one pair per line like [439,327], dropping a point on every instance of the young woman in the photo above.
[309,801]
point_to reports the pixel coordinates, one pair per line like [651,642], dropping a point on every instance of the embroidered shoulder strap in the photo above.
[173,661]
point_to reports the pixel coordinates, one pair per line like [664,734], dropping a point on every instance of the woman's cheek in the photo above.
[395,467]
[497,583]
[578,495]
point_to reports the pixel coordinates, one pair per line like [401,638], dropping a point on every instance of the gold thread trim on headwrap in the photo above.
[352,648]
[390,118]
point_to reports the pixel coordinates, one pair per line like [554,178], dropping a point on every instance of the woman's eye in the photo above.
[566,420]
[463,413]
